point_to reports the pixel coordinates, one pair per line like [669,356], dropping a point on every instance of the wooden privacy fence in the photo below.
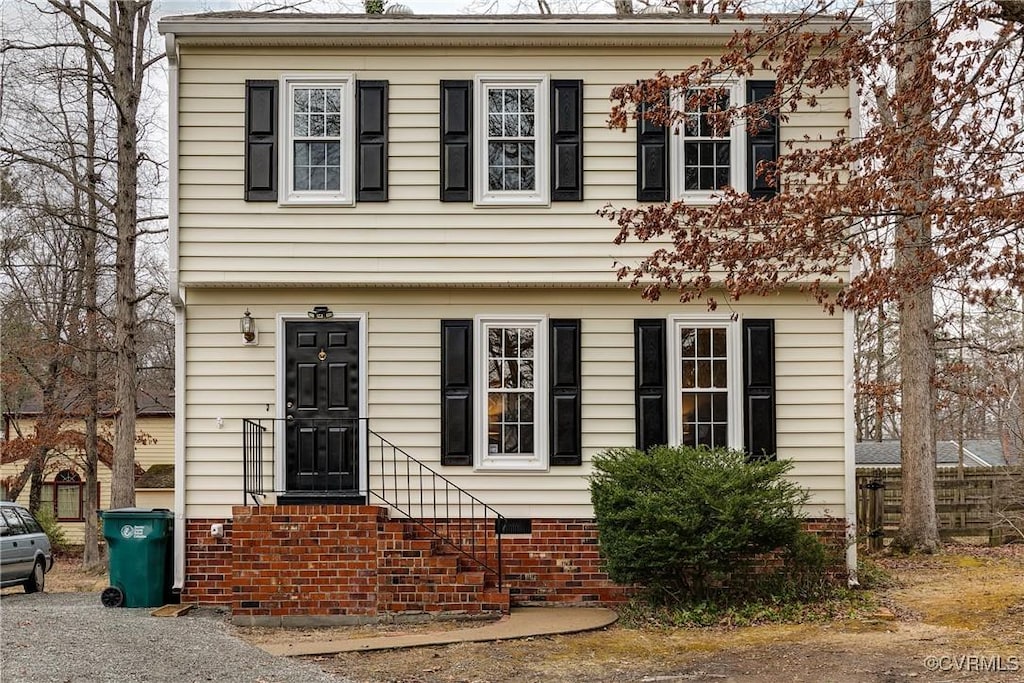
[977,501]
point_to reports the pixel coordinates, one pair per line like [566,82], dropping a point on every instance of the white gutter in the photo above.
[849,396]
[468,29]
[178,300]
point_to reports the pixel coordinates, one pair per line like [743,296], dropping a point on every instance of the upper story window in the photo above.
[512,140]
[319,139]
[708,158]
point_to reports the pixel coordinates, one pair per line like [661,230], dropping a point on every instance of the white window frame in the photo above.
[734,351]
[541,194]
[538,461]
[345,196]
[737,148]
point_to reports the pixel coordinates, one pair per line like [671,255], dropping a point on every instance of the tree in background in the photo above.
[73,150]
[937,171]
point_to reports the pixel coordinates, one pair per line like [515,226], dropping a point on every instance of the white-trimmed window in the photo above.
[511,390]
[708,160]
[707,385]
[511,143]
[319,131]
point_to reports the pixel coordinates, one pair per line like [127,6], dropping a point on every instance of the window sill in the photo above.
[293,202]
[511,465]
[497,202]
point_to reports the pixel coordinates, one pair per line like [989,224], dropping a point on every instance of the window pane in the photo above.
[720,407]
[718,342]
[510,374]
[526,100]
[300,98]
[526,154]
[495,179]
[494,125]
[512,179]
[689,374]
[719,375]
[528,179]
[68,496]
[526,438]
[510,442]
[526,407]
[301,177]
[46,497]
[704,374]
[333,125]
[494,100]
[301,125]
[703,407]
[333,100]
[511,409]
[704,343]
[317,178]
[333,179]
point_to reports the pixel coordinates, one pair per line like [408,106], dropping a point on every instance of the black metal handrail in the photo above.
[400,485]
[252,460]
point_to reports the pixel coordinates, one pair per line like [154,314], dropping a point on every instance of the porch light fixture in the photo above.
[248,328]
[320,313]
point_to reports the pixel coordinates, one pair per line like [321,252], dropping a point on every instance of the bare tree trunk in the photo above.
[91,552]
[918,529]
[879,373]
[128,23]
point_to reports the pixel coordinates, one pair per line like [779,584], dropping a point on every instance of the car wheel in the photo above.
[36,582]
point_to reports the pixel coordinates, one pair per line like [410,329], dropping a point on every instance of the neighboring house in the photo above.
[977,453]
[64,479]
[393,292]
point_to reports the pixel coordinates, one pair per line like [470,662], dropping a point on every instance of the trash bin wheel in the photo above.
[112,596]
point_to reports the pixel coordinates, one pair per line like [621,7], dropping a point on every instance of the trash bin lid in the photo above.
[158,513]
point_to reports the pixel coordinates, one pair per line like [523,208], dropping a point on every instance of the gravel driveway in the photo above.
[72,637]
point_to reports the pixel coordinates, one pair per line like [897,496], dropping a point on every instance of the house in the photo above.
[977,453]
[399,328]
[64,478]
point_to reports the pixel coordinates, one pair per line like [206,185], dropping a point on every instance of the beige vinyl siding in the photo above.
[225,379]
[155,446]
[413,238]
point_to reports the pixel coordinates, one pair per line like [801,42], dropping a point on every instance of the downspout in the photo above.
[849,421]
[178,299]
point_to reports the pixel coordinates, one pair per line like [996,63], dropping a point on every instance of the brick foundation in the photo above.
[352,564]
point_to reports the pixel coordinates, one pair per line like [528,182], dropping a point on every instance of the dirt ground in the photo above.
[956,616]
[951,617]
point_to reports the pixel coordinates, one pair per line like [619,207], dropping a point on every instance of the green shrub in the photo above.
[54,531]
[684,522]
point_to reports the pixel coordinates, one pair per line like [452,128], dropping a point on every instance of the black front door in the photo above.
[322,406]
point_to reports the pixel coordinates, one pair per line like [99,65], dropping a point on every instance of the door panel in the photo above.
[322,406]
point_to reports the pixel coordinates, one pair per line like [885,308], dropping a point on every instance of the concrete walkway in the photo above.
[523,622]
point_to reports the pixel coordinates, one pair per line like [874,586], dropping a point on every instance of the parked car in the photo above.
[25,555]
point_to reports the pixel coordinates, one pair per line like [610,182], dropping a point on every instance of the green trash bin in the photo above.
[139,556]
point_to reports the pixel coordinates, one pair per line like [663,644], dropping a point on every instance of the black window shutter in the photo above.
[456,392]
[759,388]
[762,145]
[372,141]
[651,383]
[261,141]
[566,393]
[456,141]
[566,141]
[651,160]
